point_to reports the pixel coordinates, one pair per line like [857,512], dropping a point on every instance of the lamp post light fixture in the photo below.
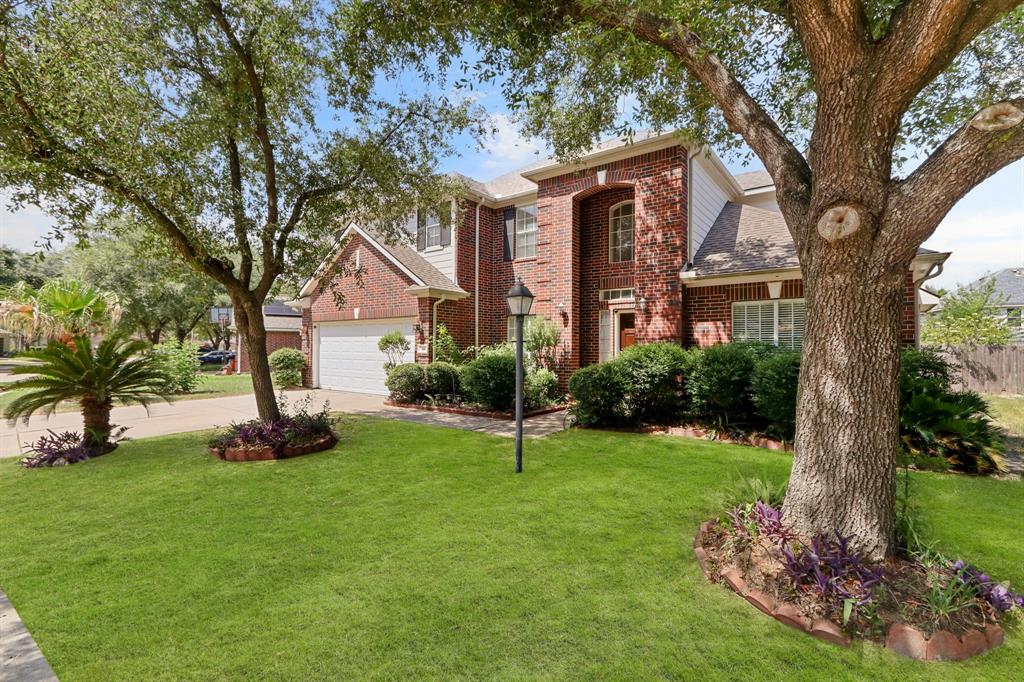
[519,300]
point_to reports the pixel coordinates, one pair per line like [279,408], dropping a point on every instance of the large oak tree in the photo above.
[835,97]
[228,127]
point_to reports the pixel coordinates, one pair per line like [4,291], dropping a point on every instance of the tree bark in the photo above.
[847,428]
[253,332]
[96,422]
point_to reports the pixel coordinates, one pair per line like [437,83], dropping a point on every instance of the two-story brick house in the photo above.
[634,243]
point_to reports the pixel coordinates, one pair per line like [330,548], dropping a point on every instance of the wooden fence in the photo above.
[988,369]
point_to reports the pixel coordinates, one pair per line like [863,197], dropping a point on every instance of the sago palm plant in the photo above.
[118,370]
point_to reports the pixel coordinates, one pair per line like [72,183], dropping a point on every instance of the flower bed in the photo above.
[927,609]
[298,433]
[472,411]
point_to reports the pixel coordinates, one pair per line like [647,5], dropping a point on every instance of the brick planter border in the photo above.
[469,412]
[903,639]
[266,453]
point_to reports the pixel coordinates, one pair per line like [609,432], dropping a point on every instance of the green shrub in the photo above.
[773,386]
[540,341]
[653,374]
[442,379]
[540,388]
[600,392]
[179,362]
[952,425]
[394,345]
[922,371]
[939,424]
[490,380]
[445,348]
[286,365]
[407,382]
[719,382]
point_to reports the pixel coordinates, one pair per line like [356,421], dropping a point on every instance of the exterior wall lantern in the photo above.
[519,300]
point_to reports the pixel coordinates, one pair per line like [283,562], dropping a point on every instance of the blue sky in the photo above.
[985,231]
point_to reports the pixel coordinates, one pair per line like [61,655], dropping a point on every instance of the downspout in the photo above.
[934,271]
[433,328]
[476,284]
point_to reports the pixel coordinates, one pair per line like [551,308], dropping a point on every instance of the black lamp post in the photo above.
[519,301]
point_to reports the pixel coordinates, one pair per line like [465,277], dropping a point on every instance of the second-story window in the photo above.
[433,227]
[526,231]
[620,232]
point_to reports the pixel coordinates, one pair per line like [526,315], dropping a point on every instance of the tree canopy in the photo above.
[229,127]
[968,317]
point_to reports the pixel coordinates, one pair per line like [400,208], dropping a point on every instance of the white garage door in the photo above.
[349,359]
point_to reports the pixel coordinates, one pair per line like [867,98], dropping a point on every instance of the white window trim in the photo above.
[608,299]
[518,232]
[775,321]
[611,211]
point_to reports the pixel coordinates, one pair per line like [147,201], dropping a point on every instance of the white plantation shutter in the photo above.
[777,322]
[791,324]
[605,336]
[753,321]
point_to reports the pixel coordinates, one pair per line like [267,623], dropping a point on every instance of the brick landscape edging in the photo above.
[903,639]
[469,412]
[266,453]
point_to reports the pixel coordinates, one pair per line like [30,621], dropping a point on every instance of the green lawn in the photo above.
[210,386]
[414,552]
[1009,413]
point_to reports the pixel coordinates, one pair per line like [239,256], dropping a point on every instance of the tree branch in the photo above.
[969,156]
[924,37]
[742,112]
[260,104]
[238,209]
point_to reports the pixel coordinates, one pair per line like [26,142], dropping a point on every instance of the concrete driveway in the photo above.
[196,415]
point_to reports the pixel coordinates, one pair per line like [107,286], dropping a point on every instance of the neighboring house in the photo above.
[651,241]
[1008,293]
[284,327]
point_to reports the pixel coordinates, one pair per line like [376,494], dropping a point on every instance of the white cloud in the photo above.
[981,242]
[508,148]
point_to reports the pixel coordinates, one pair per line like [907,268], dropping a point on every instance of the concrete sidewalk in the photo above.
[197,415]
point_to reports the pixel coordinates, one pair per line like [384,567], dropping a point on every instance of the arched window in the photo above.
[620,232]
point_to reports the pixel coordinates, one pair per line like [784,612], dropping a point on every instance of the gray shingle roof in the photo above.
[748,239]
[416,264]
[745,238]
[754,180]
[1009,289]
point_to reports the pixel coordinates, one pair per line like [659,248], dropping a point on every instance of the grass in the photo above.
[1009,414]
[210,386]
[412,551]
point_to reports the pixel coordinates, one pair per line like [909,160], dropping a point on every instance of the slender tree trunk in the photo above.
[96,422]
[253,332]
[847,429]
[154,336]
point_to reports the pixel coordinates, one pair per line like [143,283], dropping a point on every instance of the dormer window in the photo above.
[620,232]
[433,227]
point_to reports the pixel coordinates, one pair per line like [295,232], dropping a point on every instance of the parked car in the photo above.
[217,357]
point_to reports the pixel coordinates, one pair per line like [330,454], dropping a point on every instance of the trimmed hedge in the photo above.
[540,388]
[407,382]
[653,374]
[773,387]
[490,380]
[286,365]
[600,394]
[442,379]
[719,385]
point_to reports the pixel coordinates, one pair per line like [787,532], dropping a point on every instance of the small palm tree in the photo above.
[120,369]
[61,309]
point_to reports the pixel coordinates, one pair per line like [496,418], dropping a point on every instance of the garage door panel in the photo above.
[349,359]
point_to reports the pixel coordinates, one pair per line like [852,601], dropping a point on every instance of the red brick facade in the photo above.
[570,268]
[275,340]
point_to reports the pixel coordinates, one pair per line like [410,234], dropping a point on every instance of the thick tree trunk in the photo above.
[253,332]
[96,422]
[847,429]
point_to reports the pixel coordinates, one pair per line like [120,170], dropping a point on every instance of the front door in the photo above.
[627,330]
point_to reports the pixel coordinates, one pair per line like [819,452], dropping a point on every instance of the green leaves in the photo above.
[968,317]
